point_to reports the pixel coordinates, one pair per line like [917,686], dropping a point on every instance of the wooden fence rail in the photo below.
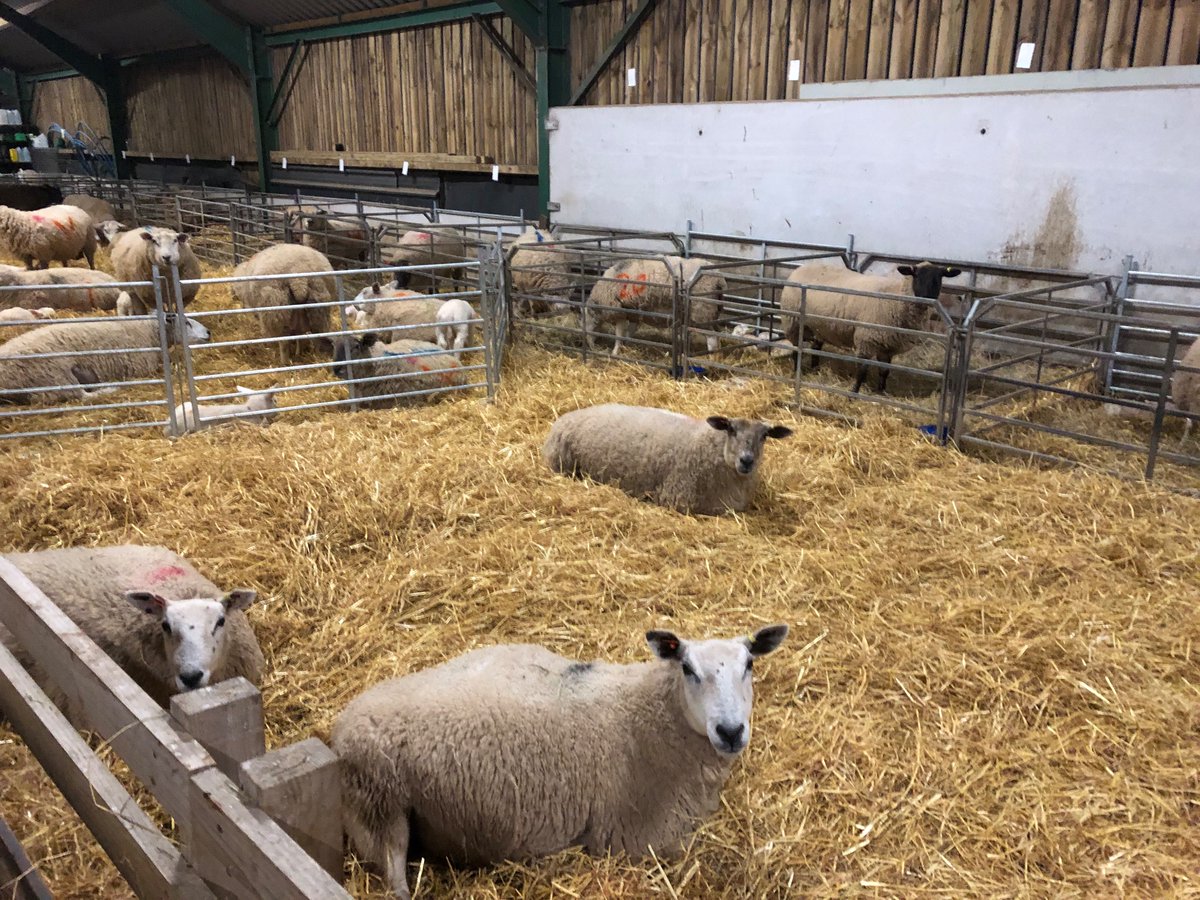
[229,848]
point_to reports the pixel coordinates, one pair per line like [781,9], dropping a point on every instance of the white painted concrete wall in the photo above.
[1067,170]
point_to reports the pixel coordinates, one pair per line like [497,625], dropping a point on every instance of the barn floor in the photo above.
[989,688]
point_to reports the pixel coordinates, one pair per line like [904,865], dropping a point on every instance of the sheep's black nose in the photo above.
[746,462]
[731,737]
[191,680]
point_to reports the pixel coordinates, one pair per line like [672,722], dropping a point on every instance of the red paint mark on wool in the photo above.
[422,237]
[35,217]
[165,572]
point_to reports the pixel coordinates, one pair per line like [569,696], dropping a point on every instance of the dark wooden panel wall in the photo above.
[67,102]
[703,50]
[442,89]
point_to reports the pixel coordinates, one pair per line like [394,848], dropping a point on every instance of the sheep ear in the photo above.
[147,236]
[183,238]
[375,288]
[952,272]
[664,644]
[905,270]
[767,640]
[720,423]
[779,432]
[370,339]
[239,599]
[148,602]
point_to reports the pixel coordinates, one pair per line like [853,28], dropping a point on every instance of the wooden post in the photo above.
[299,786]
[226,719]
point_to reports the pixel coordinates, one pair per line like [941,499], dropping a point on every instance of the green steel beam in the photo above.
[87,64]
[25,98]
[217,30]
[52,76]
[614,47]
[553,83]
[262,92]
[454,13]
[526,15]
[118,120]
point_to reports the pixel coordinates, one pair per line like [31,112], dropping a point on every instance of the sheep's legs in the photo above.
[813,344]
[862,376]
[1187,429]
[397,859]
[621,330]
[884,373]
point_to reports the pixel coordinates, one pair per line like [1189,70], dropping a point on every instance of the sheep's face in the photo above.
[744,439]
[194,332]
[927,278]
[716,682]
[193,632]
[166,247]
[352,348]
[107,230]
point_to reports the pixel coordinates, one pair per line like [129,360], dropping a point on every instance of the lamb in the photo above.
[135,253]
[261,402]
[706,467]
[99,210]
[424,248]
[38,238]
[539,275]
[851,320]
[454,324]
[291,298]
[378,370]
[407,308]
[159,619]
[19,314]
[95,289]
[84,368]
[631,288]
[1185,393]
[514,752]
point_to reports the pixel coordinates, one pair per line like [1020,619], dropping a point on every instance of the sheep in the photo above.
[99,210]
[38,238]
[377,369]
[1185,393]
[135,253]
[262,402]
[454,324]
[159,619]
[406,308]
[291,298]
[19,314]
[702,466]
[850,318]
[95,289]
[85,362]
[539,274]
[345,241]
[512,752]
[628,289]
[107,231]
[423,248]
[29,197]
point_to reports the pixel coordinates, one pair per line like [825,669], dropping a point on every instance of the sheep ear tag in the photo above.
[148,602]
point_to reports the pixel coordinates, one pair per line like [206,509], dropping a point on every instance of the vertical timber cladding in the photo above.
[713,50]
[198,106]
[434,89]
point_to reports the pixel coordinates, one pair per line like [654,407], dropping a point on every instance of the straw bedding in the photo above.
[989,688]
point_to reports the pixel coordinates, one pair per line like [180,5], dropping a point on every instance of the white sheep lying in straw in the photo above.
[38,238]
[539,274]
[134,255]
[1185,393]
[167,625]
[514,752]
[87,363]
[20,314]
[376,369]
[851,320]
[629,289]
[705,466]
[291,299]
[261,402]
[95,289]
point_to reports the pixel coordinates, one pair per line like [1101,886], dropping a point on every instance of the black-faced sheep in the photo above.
[853,321]
[87,356]
[704,466]
[135,253]
[629,290]
[377,369]
[514,752]
[290,298]
[159,619]
[38,238]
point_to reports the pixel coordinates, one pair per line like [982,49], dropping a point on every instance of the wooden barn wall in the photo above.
[67,102]
[714,50]
[200,107]
[439,89]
